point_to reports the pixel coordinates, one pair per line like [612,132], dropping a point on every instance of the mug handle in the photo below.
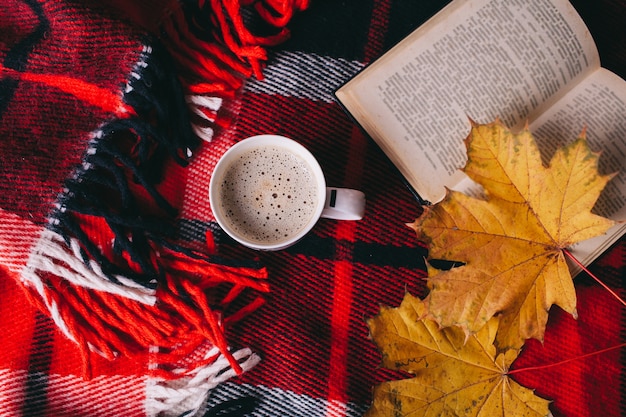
[343,204]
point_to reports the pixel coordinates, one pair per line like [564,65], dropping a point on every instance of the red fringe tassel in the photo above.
[219,66]
[184,318]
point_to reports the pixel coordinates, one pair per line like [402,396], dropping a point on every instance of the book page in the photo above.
[477,59]
[599,106]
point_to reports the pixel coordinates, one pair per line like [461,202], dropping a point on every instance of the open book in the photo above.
[520,60]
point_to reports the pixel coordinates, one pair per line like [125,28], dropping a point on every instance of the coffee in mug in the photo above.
[268,191]
[268,194]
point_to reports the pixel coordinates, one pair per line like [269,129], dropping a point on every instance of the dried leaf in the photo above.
[512,242]
[453,377]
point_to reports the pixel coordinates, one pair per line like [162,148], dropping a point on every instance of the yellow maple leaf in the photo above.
[511,242]
[452,376]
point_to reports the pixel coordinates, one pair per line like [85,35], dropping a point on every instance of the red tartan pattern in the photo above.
[311,335]
[38,182]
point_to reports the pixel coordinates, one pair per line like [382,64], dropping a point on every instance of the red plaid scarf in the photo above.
[97,133]
[310,336]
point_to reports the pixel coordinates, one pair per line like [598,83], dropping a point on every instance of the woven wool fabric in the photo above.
[315,355]
[101,113]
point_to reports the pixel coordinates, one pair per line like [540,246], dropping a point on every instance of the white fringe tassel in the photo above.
[195,103]
[51,255]
[188,395]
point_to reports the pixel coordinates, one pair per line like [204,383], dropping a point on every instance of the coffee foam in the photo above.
[268,194]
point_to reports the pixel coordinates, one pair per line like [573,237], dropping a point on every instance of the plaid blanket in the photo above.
[121,296]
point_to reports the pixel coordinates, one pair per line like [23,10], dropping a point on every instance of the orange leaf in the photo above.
[511,242]
[452,376]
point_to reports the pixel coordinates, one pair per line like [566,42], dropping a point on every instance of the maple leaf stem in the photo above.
[563,362]
[606,287]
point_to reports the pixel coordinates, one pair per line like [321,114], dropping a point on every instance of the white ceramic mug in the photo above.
[268,191]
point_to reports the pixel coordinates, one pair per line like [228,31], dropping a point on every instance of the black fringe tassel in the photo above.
[160,130]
